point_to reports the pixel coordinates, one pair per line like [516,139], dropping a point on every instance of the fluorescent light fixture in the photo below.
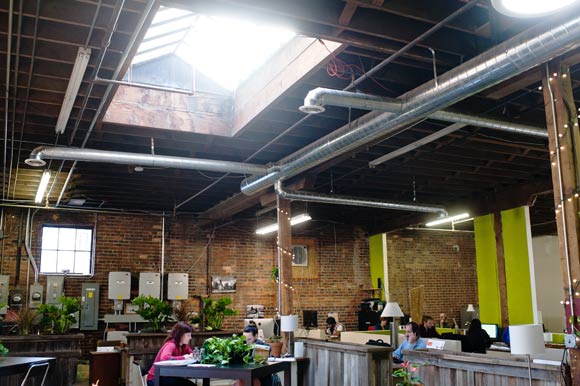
[529,8]
[293,221]
[42,186]
[78,72]
[447,219]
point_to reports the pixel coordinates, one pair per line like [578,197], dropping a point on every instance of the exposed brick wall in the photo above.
[133,243]
[442,261]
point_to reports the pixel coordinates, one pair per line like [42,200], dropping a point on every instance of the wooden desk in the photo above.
[12,369]
[244,372]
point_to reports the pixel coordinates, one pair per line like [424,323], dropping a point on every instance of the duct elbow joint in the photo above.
[36,158]
[313,102]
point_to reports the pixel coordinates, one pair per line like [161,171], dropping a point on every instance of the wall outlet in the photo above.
[570,340]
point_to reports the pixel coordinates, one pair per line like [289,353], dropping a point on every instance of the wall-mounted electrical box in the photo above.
[54,288]
[177,286]
[4,282]
[35,295]
[89,307]
[150,284]
[17,298]
[119,285]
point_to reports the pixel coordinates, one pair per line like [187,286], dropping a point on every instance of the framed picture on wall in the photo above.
[300,255]
[222,284]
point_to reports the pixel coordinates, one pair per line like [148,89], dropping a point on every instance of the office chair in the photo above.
[33,366]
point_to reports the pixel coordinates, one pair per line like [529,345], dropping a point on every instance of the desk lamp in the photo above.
[527,339]
[392,310]
[289,324]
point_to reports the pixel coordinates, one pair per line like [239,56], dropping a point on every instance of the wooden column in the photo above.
[501,278]
[285,256]
[564,143]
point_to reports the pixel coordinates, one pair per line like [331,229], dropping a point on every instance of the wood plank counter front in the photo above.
[467,369]
[338,363]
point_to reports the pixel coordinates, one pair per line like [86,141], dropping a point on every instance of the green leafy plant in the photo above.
[221,351]
[153,310]
[26,320]
[57,318]
[214,312]
[3,349]
[408,375]
[275,339]
[275,274]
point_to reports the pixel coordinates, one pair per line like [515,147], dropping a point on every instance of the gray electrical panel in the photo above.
[54,288]
[150,284]
[89,307]
[177,286]
[4,282]
[35,295]
[119,285]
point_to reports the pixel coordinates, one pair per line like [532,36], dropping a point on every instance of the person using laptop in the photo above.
[333,328]
[176,347]
[427,329]
[412,341]
[477,339]
[251,335]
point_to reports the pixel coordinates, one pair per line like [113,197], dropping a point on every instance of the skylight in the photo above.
[226,50]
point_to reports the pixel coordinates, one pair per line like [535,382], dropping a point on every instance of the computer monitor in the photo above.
[491,329]
[310,319]
[265,327]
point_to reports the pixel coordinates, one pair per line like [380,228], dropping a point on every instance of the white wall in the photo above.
[549,287]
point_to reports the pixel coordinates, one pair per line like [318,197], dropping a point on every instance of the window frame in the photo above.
[91,252]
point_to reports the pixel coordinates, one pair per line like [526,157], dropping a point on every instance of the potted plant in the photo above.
[275,343]
[57,318]
[214,312]
[153,310]
[223,351]
[26,320]
[407,375]
[3,349]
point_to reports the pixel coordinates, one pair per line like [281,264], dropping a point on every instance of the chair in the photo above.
[36,367]
[144,365]
[371,328]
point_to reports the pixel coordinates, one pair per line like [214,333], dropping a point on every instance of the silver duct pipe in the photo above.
[352,201]
[317,98]
[518,54]
[38,155]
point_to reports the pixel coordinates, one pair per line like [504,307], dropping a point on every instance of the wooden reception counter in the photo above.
[339,363]
[463,369]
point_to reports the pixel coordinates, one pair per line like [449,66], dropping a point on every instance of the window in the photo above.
[300,255]
[66,250]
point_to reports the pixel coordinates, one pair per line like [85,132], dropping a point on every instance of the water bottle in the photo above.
[196,355]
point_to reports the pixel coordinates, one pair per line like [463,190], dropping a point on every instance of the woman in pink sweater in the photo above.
[176,346]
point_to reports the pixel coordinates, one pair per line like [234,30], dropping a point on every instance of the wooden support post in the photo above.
[284,248]
[501,278]
[564,143]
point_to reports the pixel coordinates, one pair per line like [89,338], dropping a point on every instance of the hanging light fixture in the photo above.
[42,186]
[447,219]
[293,221]
[530,8]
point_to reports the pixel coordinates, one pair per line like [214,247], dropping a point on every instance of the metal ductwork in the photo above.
[317,98]
[353,201]
[38,155]
[518,54]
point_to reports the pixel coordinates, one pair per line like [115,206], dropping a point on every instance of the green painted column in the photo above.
[376,261]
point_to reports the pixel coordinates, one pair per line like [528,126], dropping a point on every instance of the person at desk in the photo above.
[176,347]
[443,321]
[383,324]
[412,341]
[333,328]
[428,328]
[477,338]
[251,335]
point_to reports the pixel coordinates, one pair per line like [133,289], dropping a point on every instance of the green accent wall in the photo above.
[517,266]
[376,261]
[486,260]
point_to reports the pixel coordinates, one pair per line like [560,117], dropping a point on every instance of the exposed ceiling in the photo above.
[471,167]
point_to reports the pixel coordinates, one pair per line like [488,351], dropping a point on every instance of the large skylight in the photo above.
[226,50]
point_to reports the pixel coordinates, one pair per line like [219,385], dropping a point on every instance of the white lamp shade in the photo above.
[470,308]
[289,323]
[527,339]
[392,310]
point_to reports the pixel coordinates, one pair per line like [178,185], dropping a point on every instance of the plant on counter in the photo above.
[3,349]
[26,320]
[57,318]
[153,310]
[214,312]
[408,375]
[220,351]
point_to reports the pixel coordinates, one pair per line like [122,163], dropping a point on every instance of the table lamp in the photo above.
[470,308]
[392,310]
[289,324]
[527,339]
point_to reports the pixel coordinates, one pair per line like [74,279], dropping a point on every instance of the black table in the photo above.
[19,365]
[243,372]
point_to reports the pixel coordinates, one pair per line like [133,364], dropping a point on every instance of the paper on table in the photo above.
[178,362]
[201,365]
